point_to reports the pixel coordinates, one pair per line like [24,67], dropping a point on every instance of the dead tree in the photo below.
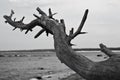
[104,70]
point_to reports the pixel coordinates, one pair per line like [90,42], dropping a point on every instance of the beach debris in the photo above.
[99,55]
[47,76]
[41,68]
[2,55]
[50,72]
[106,57]
[36,78]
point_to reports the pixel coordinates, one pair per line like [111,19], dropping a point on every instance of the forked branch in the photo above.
[73,34]
[51,14]
[80,26]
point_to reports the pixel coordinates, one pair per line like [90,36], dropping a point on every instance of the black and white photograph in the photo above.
[59,40]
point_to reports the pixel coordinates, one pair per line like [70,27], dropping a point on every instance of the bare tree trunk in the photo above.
[79,64]
[104,70]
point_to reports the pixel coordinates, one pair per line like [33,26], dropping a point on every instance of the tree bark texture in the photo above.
[104,70]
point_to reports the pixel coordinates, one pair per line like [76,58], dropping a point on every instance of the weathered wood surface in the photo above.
[104,70]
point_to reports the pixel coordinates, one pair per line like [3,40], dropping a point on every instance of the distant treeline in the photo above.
[95,49]
[52,50]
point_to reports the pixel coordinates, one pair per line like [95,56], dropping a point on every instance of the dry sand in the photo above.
[28,65]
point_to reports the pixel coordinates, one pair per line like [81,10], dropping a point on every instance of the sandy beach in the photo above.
[45,65]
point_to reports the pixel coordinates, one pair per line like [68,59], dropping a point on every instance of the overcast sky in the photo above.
[102,25]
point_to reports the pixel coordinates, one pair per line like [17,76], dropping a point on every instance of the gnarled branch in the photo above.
[20,24]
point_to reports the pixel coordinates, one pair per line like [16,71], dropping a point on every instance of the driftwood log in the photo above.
[90,70]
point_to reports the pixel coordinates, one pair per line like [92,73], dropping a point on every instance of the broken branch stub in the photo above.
[107,51]
[90,70]
[39,33]
[40,11]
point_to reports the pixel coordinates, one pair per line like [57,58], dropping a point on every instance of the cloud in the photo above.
[27,3]
[14,0]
